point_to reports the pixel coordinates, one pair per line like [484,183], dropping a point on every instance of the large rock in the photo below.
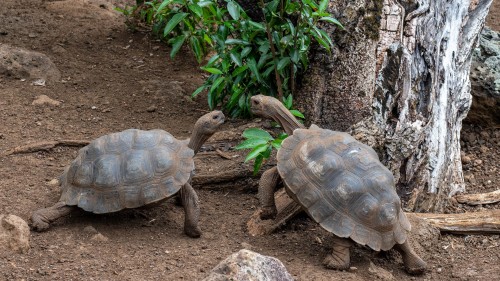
[14,234]
[246,265]
[25,64]
[485,79]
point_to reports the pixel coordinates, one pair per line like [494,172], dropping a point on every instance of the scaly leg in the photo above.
[192,209]
[413,263]
[340,257]
[267,185]
[42,218]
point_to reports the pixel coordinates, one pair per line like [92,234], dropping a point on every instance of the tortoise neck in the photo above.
[198,138]
[286,119]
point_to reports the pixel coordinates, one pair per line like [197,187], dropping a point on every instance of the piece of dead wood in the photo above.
[44,146]
[287,209]
[481,198]
[483,222]
[225,176]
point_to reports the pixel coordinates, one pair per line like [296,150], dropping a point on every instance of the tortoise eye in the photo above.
[215,117]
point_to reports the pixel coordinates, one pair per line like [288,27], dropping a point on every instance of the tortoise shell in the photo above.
[126,170]
[343,186]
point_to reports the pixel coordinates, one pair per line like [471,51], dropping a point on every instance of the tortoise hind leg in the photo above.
[192,209]
[267,185]
[413,263]
[42,218]
[340,257]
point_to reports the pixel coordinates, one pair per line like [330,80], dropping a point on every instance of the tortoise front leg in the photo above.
[192,209]
[267,185]
[413,263]
[42,218]
[340,258]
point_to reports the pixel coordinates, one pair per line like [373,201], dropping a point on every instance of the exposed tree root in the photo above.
[481,198]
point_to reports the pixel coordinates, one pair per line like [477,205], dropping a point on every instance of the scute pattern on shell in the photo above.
[128,169]
[343,186]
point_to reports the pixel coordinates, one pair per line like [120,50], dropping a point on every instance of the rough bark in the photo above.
[398,78]
[484,222]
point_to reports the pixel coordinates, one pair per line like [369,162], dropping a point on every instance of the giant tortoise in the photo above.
[340,183]
[130,169]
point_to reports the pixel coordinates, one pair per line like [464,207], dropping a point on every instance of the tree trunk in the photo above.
[399,80]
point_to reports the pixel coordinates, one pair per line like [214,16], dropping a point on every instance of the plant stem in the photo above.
[273,52]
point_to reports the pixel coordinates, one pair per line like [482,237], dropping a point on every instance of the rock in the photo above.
[151,109]
[45,100]
[466,159]
[249,266]
[478,162]
[20,63]
[380,273]
[485,79]
[484,149]
[14,234]
[99,237]
[90,229]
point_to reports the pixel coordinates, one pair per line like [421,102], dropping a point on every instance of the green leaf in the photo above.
[162,6]
[332,20]
[216,84]
[174,21]
[204,4]
[199,90]
[176,44]
[212,70]
[246,51]
[253,67]
[288,101]
[196,9]
[283,63]
[234,10]
[256,133]
[322,5]
[294,56]
[297,113]
[236,42]
[276,143]
[256,152]
[257,164]
[239,70]
[257,25]
[250,143]
[197,49]
[236,58]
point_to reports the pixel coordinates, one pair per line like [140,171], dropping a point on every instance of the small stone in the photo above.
[45,100]
[32,35]
[353,268]
[478,162]
[380,272]
[151,109]
[466,159]
[99,237]
[246,245]
[483,149]
[439,270]
[38,123]
[39,82]
[14,234]
[156,48]
[53,182]
[90,229]
[93,107]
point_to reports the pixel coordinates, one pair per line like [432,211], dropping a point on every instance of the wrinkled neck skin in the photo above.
[285,118]
[198,138]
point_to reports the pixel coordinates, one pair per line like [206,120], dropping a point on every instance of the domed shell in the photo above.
[342,185]
[126,170]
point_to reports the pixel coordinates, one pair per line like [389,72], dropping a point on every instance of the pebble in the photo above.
[478,162]
[483,149]
[466,159]
[90,229]
[99,237]
[151,109]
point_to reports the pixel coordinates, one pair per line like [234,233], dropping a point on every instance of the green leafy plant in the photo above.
[250,57]
[261,144]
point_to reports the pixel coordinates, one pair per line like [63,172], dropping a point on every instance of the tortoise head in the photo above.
[205,127]
[272,108]
[209,123]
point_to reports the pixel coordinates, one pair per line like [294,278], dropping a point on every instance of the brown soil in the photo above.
[115,79]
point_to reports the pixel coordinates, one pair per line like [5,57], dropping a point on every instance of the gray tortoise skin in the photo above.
[130,169]
[341,184]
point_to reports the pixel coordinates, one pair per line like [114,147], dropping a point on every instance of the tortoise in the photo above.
[130,169]
[340,183]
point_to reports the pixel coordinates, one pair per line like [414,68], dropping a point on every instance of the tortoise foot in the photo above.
[336,262]
[39,223]
[193,232]
[268,213]
[415,266]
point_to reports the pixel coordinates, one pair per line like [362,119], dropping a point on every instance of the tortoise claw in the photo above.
[268,213]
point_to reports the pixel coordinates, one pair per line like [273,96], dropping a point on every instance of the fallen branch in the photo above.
[44,146]
[226,176]
[481,198]
[483,222]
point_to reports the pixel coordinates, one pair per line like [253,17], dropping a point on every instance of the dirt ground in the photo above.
[113,79]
